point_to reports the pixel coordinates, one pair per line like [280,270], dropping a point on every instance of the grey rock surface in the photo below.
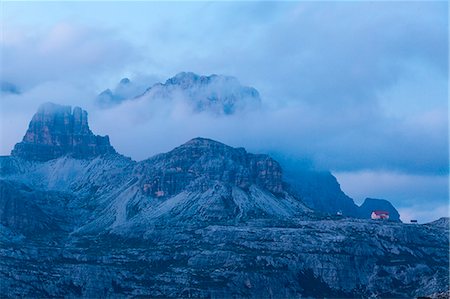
[203,220]
[321,191]
[56,131]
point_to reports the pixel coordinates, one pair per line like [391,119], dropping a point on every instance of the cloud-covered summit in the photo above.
[124,90]
[360,88]
[218,94]
[57,130]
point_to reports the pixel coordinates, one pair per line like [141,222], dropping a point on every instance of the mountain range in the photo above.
[78,219]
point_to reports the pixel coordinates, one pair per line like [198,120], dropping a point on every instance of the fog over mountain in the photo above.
[214,94]
[363,93]
[224,149]
[204,219]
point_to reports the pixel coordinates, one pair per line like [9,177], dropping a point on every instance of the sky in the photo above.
[358,88]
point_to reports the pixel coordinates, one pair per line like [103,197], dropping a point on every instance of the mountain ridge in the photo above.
[217,94]
[204,220]
[56,131]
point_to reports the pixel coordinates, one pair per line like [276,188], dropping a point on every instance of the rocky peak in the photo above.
[201,162]
[218,94]
[56,130]
[124,81]
[214,93]
[202,146]
[185,79]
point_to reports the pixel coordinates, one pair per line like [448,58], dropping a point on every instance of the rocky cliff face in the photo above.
[204,220]
[204,160]
[56,131]
[321,191]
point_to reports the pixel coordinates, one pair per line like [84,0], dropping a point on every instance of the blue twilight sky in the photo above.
[359,88]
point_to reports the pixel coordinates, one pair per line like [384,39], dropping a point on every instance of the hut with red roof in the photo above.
[378,214]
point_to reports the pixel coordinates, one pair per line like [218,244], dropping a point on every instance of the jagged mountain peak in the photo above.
[205,143]
[218,94]
[124,81]
[190,79]
[183,77]
[57,130]
[203,160]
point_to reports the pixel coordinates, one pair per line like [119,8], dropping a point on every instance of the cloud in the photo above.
[403,187]
[339,82]
[424,213]
[16,110]
[342,142]
[65,51]
[353,87]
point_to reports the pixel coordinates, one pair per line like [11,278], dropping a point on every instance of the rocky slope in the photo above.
[203,220]
[320,191]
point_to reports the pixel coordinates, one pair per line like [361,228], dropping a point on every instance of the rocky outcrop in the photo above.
[333,259]
[442,222]
[56,131]
[201,161]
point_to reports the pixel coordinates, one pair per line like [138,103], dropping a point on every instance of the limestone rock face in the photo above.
[204,220]
[203,160]
[56,131]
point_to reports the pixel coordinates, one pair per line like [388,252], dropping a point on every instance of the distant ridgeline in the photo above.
[204,220]
[215,93]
